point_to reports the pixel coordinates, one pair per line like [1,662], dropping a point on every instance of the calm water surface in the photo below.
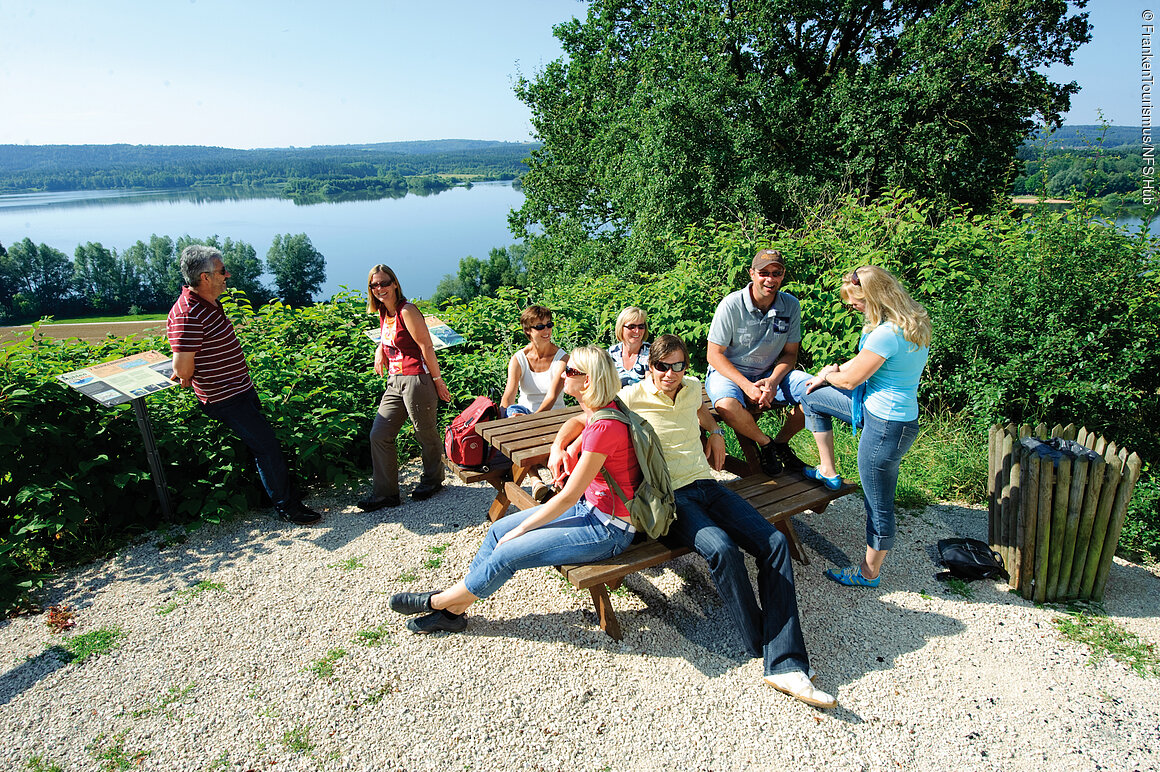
[420,237]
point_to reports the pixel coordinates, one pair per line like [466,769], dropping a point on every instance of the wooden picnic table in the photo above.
[527,441]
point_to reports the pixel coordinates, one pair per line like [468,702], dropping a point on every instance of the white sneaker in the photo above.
[797,685]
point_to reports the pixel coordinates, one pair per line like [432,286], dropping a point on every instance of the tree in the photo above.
[159,275]
[663,114]
[40,278]
[106,281]
[246,269]
[505,267]
[299,269]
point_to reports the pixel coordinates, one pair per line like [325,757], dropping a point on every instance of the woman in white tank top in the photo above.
[535,370]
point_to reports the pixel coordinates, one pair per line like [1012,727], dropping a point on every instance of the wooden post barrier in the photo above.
[1056,522]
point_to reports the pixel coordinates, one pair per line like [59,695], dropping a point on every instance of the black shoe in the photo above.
[770,462]
[370,505]
[438,622]
[426,490]
[411,602]
[298,513]
[789,461]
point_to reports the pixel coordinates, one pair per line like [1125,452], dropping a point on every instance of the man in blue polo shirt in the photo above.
[753,347]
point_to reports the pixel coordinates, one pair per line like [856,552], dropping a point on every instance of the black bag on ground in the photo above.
[969,559]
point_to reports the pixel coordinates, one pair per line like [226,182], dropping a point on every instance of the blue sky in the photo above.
[253,73]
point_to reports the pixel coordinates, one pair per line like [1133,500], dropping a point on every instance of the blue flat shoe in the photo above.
[833,483]
[851,576]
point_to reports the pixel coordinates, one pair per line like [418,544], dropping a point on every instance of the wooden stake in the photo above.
[1112,475]
[1091,499]
[1119,512]
[1058,525]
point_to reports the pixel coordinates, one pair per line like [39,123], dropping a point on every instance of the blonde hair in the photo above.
[627,316]
[887,301]
[603,382]
[373,304]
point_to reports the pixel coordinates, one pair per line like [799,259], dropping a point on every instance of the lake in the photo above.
[422,237]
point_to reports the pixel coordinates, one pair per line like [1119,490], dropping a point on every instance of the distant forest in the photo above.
[1094,160]
[321,171]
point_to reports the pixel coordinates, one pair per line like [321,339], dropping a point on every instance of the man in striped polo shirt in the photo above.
[208,357]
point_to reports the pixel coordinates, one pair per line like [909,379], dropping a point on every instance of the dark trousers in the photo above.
[243,414]
[719,524]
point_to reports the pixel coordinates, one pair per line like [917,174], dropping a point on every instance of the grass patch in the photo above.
[324,668]
[173,695]
[1107,639]
[349,564]
[38,764]
[114,754]
[957,586]
[948,460]
[297,740]
[437,556]
[81,647]
[377,696]
[373,637]
[184,596]
[408,577]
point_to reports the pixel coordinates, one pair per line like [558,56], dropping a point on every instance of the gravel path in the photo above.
[231,673]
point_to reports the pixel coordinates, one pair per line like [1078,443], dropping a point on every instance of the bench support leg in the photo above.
[604,612]
[797,550]
[499,507]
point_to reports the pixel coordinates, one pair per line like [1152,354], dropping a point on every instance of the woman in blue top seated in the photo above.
[630,352]
[877,390]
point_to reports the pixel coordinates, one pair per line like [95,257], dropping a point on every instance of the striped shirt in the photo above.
[219,370]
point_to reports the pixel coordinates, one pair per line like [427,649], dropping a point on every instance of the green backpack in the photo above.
[653,506]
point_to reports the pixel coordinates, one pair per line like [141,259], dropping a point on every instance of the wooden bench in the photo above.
[777,499]
[527,441]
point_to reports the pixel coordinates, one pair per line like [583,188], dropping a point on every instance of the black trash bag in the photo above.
[969,559]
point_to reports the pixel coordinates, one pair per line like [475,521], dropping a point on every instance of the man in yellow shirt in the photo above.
[718,524]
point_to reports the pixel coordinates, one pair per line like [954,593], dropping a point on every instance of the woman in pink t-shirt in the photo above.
[586,521]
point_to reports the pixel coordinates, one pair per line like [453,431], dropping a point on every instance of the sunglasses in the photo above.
[852,277]
[776,273]
[664,367]
[537,327]
[572,372]
[636,326]
[381,284]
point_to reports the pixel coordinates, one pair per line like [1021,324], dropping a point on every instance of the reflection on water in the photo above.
[202,195]
[420,237]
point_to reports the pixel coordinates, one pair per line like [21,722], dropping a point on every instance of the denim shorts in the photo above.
[789,392]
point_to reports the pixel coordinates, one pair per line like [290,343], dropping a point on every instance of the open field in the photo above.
[90,331]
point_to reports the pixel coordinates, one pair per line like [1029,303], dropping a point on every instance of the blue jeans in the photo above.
[574,537]
[789,391]
[881,447]
[512,410]
[718,524]
[243,414]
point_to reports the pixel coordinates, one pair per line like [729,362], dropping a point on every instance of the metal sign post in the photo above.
[154,458]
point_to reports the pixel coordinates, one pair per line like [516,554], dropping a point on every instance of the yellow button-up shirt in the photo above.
[676,425]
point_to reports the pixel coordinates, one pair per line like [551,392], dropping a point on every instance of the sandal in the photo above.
[833,483]
[851,576]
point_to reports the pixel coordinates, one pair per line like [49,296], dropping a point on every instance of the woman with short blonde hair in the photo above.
[631,350]
[877,390]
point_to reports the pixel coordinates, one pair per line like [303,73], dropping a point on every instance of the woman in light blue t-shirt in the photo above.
[876,391]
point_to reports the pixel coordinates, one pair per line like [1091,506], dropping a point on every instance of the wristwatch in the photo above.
[718,431]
